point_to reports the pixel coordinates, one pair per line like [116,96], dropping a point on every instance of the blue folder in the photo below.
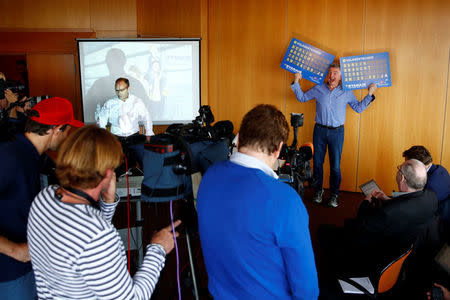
[361,70]
[312,62]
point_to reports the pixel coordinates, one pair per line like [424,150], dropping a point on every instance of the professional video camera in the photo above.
[4,114]
[171,158]
[9,126]
[296,169]
[13,86]
[200,129]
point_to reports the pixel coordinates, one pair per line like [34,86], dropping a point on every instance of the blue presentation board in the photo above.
[312,62]
[361,70]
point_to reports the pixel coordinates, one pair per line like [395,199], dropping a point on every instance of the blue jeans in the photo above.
[22,288]
[334,139]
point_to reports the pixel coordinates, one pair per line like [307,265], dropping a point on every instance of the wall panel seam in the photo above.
[285,72]
[218,59]
[445,108]
[360,115]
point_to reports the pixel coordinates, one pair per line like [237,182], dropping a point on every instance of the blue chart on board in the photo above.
[361,70]
[312,62]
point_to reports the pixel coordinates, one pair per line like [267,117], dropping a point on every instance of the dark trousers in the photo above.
[334,139]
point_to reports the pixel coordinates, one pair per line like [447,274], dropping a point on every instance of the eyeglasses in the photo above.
[118,91]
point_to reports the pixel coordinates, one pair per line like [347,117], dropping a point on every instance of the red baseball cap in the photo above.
[55,111]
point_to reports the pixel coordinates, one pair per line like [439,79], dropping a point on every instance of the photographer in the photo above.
[254,228]
[75,250]
[12,117]
[9,97]
[48,125]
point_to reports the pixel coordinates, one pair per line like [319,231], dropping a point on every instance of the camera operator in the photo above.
[47,126]
[9,96]
[12,117]
[253,227]
[86,257]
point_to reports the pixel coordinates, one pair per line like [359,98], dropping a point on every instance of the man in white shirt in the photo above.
[124,113]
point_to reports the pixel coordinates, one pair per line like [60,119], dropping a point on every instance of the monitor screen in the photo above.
[163,73]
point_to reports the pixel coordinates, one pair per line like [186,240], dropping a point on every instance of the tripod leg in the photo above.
[191,262]
[139,221]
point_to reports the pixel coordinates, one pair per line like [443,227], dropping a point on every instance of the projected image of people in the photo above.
[158,88]
[165,75]
[124,114]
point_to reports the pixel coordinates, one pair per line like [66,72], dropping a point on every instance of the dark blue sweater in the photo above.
[439,182]
[19,184]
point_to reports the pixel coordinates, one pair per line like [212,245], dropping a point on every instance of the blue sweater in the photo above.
[439,182]
[19,184]
[254,235]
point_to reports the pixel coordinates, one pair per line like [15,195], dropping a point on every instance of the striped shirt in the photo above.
[77,253]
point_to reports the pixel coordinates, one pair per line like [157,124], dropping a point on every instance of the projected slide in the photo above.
[165,74]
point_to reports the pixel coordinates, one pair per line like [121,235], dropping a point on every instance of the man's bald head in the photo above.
[415,174]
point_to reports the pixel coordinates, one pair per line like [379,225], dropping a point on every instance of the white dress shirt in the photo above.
[125,116]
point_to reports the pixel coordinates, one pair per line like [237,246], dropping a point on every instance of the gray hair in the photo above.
[415,174]
[335,64]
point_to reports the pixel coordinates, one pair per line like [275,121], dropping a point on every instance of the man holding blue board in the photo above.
[331,105]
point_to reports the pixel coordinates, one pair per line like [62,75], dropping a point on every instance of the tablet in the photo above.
[368,187]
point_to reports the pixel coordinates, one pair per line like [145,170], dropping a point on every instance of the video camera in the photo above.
[296,169]
[13,86]
[171,158]
[10,126]
[201,130]
[31,100]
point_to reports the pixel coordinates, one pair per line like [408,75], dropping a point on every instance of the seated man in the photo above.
[124,116]
[124,113]
[253,227]
[384,227]
[438,178]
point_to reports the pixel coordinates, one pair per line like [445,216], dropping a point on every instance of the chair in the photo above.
[387,279]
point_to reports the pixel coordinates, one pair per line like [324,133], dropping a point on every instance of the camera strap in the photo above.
[84,195]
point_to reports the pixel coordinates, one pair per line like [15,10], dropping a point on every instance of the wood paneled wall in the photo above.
[243,43]
[244,57]
[415,110]
[412,111]
[338,29]
[169,18]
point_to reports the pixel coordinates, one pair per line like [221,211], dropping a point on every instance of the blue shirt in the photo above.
[439,181]
[331,106]
[19,184]
[254,235]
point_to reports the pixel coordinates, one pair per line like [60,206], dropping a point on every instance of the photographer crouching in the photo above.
[75,250]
